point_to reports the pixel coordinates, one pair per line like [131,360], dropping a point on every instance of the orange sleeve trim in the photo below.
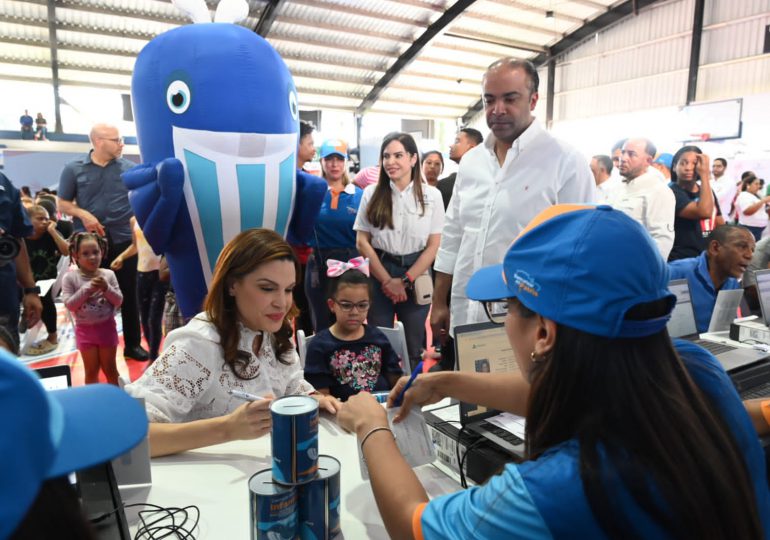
[765,406]
[416,521]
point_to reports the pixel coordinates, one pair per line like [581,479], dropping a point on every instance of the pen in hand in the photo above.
[245,395]
[415,372]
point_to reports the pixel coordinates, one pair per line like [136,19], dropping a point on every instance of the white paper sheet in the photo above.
[412,438]
[510,422]
[725,310]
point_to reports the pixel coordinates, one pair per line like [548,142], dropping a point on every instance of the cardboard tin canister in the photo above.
[295,439]
[319,502]
[273,508]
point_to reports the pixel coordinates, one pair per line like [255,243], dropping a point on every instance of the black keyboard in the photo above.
[761,391]
[713,347]
[502,433]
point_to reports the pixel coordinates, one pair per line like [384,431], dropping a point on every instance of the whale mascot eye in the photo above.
[217,121]
[178,97]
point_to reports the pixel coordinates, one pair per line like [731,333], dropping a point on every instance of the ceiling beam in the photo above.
[267,17]
[411,53]
[318,25]
[496,40]
[550,32]
[601,22]
[309,40]
[559,16]
[350,10]
[63,82]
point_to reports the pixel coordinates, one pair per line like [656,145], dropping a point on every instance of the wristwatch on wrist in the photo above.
[406,280]
[32,290]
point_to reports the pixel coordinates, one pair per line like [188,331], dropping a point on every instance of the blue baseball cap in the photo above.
[333,147]
[664,159]
[51,434]
[584,267]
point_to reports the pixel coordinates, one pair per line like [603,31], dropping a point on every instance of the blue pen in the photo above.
[417,370]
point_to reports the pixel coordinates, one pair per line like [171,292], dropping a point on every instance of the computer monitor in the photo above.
[482,348]
[763,292]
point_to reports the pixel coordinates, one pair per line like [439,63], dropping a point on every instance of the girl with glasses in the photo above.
[350,357]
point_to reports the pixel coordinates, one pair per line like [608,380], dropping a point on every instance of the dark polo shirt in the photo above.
[99,190]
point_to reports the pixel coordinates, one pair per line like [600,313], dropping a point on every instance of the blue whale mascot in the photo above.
[216,115]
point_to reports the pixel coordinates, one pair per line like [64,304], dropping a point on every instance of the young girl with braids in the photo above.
[92,295]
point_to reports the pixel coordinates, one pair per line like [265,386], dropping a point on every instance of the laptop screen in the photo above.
[482,348]
[55,377]
[682,322]
[763,292]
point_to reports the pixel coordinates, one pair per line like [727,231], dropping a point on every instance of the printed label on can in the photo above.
[294,439]
[274,510]
[319,502]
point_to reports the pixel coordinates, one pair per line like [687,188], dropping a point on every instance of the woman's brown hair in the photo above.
[380,209]
[241,256]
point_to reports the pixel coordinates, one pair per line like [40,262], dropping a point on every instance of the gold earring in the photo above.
[534,358]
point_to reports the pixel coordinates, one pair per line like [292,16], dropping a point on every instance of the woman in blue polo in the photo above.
[333,236]
[628,434]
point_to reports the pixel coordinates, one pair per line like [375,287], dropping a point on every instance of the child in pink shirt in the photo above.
[92,295]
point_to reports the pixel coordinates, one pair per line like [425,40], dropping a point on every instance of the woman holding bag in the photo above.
[398,228]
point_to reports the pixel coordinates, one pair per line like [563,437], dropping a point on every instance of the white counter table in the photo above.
[215,479]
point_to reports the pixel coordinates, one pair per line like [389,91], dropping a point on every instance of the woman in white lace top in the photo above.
[242,341]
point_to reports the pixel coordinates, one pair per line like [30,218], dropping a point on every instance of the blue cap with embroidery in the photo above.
[583,267]
[51,434]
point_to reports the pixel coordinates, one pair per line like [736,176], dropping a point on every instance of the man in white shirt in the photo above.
[601,168]
[501,185]
[723,187]
[643,196]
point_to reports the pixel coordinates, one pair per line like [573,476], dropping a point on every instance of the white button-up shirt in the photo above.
[410,227]
[650,202]
[491,204]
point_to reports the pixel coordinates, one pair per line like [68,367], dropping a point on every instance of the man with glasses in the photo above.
[92,192]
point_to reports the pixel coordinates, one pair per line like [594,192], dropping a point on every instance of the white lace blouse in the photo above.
[190,380]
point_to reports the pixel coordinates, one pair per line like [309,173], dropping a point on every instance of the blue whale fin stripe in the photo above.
[285,192]
[203,174]
[251,190]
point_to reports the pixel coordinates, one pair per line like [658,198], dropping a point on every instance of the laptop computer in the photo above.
[763,292]
[682,325]
[96,486]
[484,348]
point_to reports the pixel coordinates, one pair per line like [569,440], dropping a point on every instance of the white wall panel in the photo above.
[642,62]
[729,10]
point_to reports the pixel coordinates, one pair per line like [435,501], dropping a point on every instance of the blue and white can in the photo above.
[295,439]
[273,508]
[319,502]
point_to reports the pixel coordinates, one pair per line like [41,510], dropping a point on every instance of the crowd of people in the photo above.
[629,434]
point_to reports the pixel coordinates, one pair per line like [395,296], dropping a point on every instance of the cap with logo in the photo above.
[582,266]
[51,434]
[333,147]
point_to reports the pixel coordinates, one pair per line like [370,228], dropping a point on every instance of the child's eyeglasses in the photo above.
[348,306]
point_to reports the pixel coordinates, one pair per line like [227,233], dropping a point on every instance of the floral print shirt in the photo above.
[349,367]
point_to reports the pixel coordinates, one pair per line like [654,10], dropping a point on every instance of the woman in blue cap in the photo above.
[333,235]
[627,436]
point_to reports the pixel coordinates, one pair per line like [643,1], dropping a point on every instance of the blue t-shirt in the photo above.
[101,191]
[334,226]
[349,367]
[544,498]
[702,292]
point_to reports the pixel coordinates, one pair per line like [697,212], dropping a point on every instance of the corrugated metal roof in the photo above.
[338,50]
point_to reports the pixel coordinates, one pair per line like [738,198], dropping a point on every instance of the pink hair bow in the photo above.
[337,268]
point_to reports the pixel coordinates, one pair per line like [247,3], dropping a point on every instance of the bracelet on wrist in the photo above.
[369,434]
[409,277]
